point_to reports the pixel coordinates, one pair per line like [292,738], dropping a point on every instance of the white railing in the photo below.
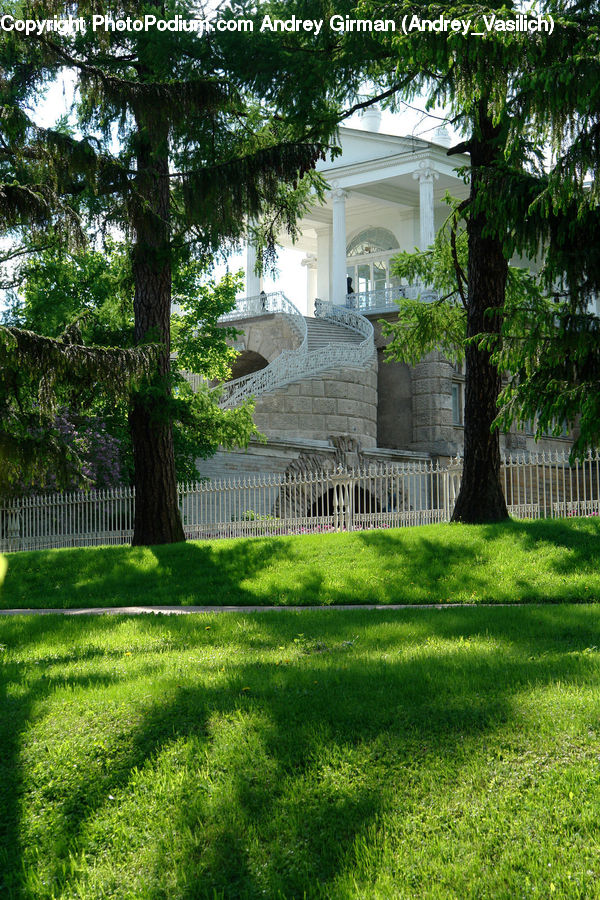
[285,368]
[348,318]
[385,298]
[232,393]
[260,305]
[293,365]
[378,496]
[74,519]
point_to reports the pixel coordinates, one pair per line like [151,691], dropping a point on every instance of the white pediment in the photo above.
[360,146]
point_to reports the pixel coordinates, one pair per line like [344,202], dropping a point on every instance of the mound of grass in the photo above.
[542,561]
[319,754]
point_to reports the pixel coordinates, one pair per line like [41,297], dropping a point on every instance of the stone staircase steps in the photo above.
[320,333]
[338,339]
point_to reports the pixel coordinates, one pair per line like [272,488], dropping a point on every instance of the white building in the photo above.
[387,194]
[323,393]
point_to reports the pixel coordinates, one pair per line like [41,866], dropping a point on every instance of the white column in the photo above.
[253,281]
[426,176]
[324,262]
[310,262]
[338,267]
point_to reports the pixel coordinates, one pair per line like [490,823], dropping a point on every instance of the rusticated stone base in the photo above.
[328,405]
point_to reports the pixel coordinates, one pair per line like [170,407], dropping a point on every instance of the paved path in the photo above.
[186,610]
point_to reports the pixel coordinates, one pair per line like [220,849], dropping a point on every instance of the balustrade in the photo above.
[385,298]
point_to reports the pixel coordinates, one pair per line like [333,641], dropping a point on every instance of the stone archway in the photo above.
[246,363]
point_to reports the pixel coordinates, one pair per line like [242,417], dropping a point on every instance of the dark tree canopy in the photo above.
[183,139]
[510,93]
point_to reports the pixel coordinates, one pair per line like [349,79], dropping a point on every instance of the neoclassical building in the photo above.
[324,394]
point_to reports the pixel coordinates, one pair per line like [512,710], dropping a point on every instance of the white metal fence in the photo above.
[541,485]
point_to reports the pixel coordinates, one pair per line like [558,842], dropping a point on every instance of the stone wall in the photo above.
[266,335]
[328,405]
[432,407]
[276,457]
[394,408]
[415,407]
[415,403]
[301,456]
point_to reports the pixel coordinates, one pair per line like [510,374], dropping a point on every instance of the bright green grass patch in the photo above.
[333,755]
[544,561]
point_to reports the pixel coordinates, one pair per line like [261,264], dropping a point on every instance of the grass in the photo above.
[541,561]
[318,754]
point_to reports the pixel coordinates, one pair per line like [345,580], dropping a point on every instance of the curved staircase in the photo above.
[335,338]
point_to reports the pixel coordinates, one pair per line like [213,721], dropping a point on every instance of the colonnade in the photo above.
[327,270]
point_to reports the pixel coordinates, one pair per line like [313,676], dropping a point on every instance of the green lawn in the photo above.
[318,754]
[543,561]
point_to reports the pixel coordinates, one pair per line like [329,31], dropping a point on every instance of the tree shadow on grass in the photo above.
[426,565]
[177,574]
[440,568]
[281,766]
[580,537]
[24,687]
[435,565]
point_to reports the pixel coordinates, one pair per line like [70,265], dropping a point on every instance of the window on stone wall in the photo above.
[458,394]
[530,427]
[458,403]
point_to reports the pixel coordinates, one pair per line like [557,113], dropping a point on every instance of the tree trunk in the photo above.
[481,498]
[157,516]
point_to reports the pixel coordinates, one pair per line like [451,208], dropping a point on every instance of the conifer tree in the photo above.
[37,195]
[515,95]
[179,151]
[476,78]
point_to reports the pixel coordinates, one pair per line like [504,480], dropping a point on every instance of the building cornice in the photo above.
[404,163]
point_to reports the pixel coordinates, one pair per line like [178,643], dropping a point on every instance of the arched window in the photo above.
[368,264]
[372,240]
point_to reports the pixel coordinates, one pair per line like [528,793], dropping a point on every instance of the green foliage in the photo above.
[38,375]
[80,297]
[201,346]
[424,327]
[201,427]
[90,292]
[55,287]
[198,340]
[550,349]
[443,265]
[249,515]
[441,325]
